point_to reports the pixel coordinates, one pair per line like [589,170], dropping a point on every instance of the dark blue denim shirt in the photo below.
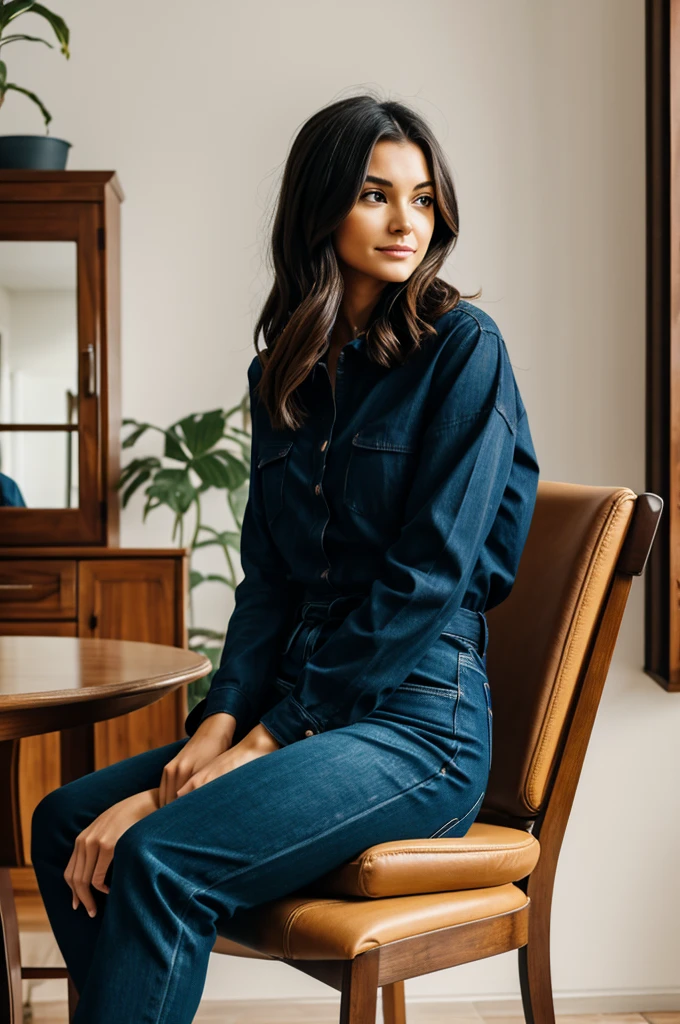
[413,487]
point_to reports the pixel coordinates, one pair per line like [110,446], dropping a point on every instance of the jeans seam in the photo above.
[438,691]
[452,760]
[319,835]
[455,821]
[459,636]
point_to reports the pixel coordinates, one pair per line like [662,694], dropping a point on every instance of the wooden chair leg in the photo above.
[534,967]
[72,998]
[394,1003]
[360,989]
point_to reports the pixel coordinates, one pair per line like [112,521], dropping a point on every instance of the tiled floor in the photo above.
[264,1012]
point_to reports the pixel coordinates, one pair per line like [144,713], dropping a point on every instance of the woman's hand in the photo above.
[257,743]
[213,737]
[93,850]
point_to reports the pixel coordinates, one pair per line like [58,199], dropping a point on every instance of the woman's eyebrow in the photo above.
[384,181]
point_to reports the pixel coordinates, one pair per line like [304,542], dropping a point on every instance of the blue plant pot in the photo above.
[33,152]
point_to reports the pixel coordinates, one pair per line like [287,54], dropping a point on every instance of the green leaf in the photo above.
[3,76]
[238,500]
[216,578]
[13,9]
[173,488]
[173,447]
[228,538]
[149,507]
[140,479]
[212,470]
[149,462]
[202,432]
[195,578]
[58,24]
[238,473]
[135,435]
[31,39]
[221,469]
[32,96]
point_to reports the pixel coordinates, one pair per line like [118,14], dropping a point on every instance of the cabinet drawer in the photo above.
[38,589]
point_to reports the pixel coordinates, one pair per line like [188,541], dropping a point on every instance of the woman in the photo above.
[393,481]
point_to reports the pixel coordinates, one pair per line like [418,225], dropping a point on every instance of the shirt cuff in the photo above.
[227,699]
[289,722]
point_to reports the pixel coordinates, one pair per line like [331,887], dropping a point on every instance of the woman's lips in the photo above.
[399,253]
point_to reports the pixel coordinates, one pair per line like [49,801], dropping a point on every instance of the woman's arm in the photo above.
[264,601]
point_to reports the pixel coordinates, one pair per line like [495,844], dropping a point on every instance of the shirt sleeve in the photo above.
[465,463]
[264,602]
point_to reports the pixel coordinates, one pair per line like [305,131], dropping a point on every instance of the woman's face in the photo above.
[395,208]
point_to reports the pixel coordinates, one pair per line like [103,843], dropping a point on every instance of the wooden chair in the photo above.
[404,909]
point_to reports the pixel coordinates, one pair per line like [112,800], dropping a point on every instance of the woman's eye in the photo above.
[376,192]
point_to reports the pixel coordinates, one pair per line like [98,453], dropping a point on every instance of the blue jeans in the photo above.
[415,767]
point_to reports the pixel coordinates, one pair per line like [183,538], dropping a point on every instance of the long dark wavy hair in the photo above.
[323,177]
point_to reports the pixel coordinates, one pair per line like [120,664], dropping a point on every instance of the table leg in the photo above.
[11,855]
[77,759]
[11,1011]
[77,752]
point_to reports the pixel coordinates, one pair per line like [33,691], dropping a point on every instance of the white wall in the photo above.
[540,107]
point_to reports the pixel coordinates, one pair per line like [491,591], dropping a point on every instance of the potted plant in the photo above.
[199,461]
[38,152]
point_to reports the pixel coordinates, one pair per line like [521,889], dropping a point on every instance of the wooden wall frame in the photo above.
[662,578]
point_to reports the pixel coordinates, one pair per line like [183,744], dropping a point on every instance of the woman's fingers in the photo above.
[68,876]
[79,871]
[161,788]
[82,876]
[177,774]
[101,867]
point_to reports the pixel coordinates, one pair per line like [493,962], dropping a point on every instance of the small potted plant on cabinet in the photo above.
[38,152]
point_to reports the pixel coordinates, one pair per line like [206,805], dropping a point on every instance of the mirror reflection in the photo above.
[38,375]
[45,469]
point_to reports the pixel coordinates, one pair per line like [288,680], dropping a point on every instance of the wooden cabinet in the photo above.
[61,571]
[59,356]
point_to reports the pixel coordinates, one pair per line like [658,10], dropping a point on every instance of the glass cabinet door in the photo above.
[49,355]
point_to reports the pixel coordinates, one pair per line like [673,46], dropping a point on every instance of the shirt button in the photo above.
[322,446]
[324,574]
[317,489]
[309,732]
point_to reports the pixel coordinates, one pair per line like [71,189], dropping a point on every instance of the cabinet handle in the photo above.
[17,586]
[89,372]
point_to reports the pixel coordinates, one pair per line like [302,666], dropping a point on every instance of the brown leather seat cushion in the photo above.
[304,928]
[391,891]
[487,855]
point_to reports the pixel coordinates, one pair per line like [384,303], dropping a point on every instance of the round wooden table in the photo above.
[65,683]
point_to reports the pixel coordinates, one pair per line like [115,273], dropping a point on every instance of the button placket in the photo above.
[325,573]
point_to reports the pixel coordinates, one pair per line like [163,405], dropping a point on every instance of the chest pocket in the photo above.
[378,475]
[272,460]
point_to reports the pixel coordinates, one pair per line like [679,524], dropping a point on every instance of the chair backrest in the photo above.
[552,632]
